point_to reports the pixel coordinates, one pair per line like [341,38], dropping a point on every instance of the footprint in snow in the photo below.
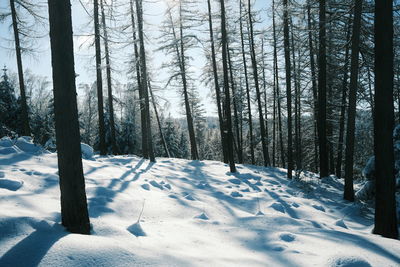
[11,185]
[155,184]
[145,187]
[189,197]
[173,196]
[287,237]
[236,194]
[318,207]
[295,205]
[341,223]
[278,207]
[202,216]
[235,181]
[245,190]
[259,183]
[136,229]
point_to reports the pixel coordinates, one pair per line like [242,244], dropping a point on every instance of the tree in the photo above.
[143,75]
[351,117]
[74,213]
[288,86]
[258,93]
[99,80]
[228,115]
[323,151]
[24,107]
[109,84]
[385,202]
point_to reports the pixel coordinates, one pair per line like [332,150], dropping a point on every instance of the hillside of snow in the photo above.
[181,213]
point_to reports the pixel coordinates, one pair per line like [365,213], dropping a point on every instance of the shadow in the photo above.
[31,250]
[104,195]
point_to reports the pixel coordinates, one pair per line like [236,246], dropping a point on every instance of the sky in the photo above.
[40,62]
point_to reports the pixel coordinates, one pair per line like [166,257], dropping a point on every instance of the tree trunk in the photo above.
[313,84]
[109,84]
[74,212]
[228,127]
[158,122]
[323,151]
[385,201]
[216,84]
[143,119]
[288,86]
[278,96]
[99,80]
[258,93]
[238,147]
[189,118]
[351,117]
[143,75]
[26,130]
[247,87]
[343,104]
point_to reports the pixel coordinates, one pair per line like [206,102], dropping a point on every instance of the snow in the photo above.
[182,213]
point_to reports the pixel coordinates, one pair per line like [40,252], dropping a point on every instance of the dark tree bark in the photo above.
[99,80]
[351,117]
[250,119]
[74,213]
[258,92]
[277,89]
[228,127]
[216,85]
[143,75]
[143,119]
[313,84]
[238,146]
[343,103]
[164,143]
[288,86]
[109,83]
[323,151]
[26,130]
[189,117]
[385,202]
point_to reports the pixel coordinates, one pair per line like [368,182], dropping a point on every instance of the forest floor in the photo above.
[195,213]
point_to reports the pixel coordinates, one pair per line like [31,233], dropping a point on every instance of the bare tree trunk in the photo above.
[247,87]
[189,117]
[145,152]
[224,41]
[323,151]
[99,80]
[258,93]
[26,130]
[238,146]
[109,84]
[351,117]
[158,121]
[74,212]
[385,201]
[143,75]
[343,104]
[216,84]
[313,83]
[288,86]
[278,97]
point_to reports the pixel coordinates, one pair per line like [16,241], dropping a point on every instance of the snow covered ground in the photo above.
[194,213]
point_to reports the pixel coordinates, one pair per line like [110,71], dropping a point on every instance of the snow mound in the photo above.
[25,144]
[341,223]
[87,151]
[6,142]
[9,150]
[136,229]
[348,261]
[11,185]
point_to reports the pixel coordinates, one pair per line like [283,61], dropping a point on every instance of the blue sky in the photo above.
[40,63]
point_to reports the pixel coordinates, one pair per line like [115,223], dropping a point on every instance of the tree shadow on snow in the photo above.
[31,250]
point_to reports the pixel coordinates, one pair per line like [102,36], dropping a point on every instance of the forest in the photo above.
[275,110]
